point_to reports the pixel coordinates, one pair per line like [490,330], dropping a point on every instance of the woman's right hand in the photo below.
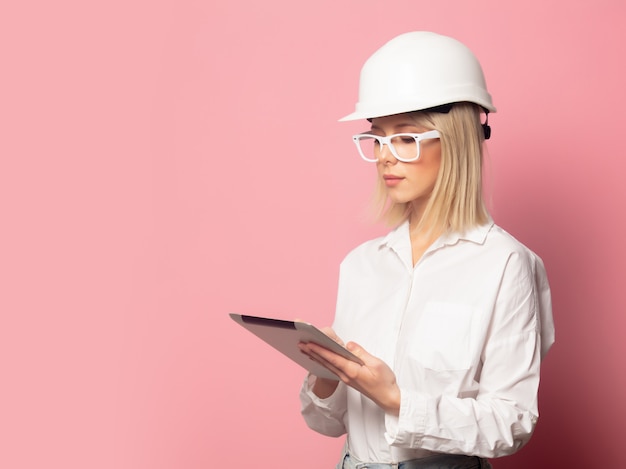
[372,377]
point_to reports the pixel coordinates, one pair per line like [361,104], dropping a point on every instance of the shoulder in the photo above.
[381,256]
[506,247]
[364,252]
[499,238]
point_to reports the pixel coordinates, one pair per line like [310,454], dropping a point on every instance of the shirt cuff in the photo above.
[407,429]
[324,403]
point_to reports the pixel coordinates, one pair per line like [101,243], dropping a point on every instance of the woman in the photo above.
[450,315]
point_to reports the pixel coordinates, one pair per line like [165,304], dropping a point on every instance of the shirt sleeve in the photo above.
[325,416]
[501,417]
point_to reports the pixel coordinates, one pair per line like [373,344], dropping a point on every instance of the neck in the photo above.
[422,236]
[423,232]
[422,227]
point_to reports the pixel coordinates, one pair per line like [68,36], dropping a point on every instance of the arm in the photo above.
[324,387]
[498,417]
[323,414]
[323,405]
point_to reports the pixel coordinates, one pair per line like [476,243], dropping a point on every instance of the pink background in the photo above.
[165,162]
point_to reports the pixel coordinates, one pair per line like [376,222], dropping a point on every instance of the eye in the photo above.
[371,140]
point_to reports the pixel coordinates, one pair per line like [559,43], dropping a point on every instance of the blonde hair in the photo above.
[456,203]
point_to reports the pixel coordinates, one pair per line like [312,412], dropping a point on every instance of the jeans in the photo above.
[438,461]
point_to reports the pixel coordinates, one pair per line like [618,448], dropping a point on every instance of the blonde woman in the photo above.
[450,314]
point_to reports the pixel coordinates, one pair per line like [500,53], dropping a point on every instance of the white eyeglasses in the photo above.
[404,147]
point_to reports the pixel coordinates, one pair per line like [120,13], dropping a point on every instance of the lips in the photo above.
[391,180]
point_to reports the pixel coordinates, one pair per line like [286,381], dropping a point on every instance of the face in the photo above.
[407,182]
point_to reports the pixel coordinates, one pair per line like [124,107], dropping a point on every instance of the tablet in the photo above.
[285,336]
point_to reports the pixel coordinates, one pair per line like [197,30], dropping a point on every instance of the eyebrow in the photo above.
[397,127]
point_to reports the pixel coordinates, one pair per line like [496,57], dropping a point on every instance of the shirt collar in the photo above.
[476,235]
[399,239]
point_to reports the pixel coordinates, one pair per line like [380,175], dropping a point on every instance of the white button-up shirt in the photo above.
[464,330]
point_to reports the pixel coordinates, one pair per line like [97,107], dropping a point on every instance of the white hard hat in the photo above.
[416,71]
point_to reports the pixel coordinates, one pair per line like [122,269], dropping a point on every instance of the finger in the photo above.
[359,351]
[348,368]
[305,349]
[325,353]
[329,366]
[317,353]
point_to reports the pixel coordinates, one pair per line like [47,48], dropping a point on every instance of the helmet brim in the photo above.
[393,110]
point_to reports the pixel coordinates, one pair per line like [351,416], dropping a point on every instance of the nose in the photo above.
[385,156]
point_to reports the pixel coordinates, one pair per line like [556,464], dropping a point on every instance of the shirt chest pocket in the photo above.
[442,339]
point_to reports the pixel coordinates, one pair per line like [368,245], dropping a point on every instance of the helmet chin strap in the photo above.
[486,126]
[445,108]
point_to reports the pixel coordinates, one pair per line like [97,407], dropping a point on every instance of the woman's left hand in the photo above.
[373,379]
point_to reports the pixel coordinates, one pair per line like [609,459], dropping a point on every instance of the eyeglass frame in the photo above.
[431,134]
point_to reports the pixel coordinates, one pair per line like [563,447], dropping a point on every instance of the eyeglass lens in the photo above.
[405,147]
